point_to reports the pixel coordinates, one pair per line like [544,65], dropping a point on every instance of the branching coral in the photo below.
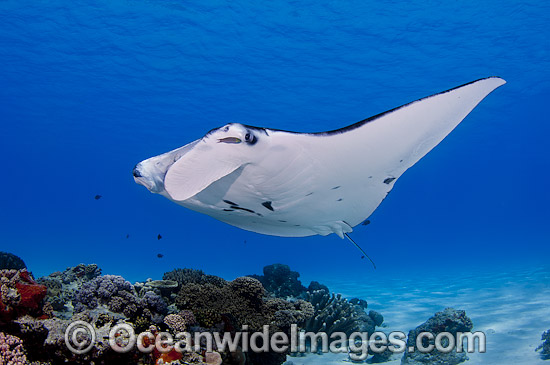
[336,314]
[175,322]
[11,350]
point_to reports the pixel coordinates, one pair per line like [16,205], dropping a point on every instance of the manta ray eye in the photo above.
[250,138]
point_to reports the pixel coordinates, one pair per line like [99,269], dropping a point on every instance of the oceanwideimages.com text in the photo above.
[80,337]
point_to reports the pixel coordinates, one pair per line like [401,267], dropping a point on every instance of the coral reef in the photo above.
[45,340]
[118,295]
[336,314]
[449,320]
[544,348]
[282,282]
[238,303]
[243,301]
[20,294]
[38,313]
[62,287]
[314,285]
[11,261]
[187,276]
[175,322]
[11,350]
[379,358]
[162,287]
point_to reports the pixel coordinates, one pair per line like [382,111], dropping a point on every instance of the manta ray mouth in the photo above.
[153,181]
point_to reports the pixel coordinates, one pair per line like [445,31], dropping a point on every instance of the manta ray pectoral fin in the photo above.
[199,168]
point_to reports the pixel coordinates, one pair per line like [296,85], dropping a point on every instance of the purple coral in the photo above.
[112,290]
[175,322]
[104,288]
[119,296]
[154,302]
[110,285]
[188,317]
[11,350]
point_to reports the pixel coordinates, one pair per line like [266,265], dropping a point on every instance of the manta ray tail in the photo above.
[360,249]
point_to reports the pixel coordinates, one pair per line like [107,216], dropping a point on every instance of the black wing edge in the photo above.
[370,119]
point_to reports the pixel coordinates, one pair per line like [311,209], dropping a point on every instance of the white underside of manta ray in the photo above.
[292,184]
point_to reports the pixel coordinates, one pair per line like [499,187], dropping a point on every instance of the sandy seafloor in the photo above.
[510,306]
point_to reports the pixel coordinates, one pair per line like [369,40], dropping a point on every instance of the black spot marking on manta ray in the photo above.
[370,177]
[296,225]
[245,209]
[389,180]
[339,200]
[282,221]
[400,160]
[228,210]
[268,205]
[259,214]
[336,187]
[309,194]
[230,203]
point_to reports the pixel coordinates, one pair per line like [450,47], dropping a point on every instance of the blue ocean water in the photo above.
[90,88]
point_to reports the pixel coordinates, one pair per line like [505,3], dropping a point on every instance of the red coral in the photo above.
[31,294]
[168,357]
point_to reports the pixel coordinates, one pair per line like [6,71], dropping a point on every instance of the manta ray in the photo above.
[292,184]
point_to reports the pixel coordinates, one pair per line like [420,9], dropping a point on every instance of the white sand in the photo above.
[513,309]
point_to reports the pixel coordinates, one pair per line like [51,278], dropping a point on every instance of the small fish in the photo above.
[97,197]
[127,236]
[229,140]
[366,222]
[159,237]
[159,255]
